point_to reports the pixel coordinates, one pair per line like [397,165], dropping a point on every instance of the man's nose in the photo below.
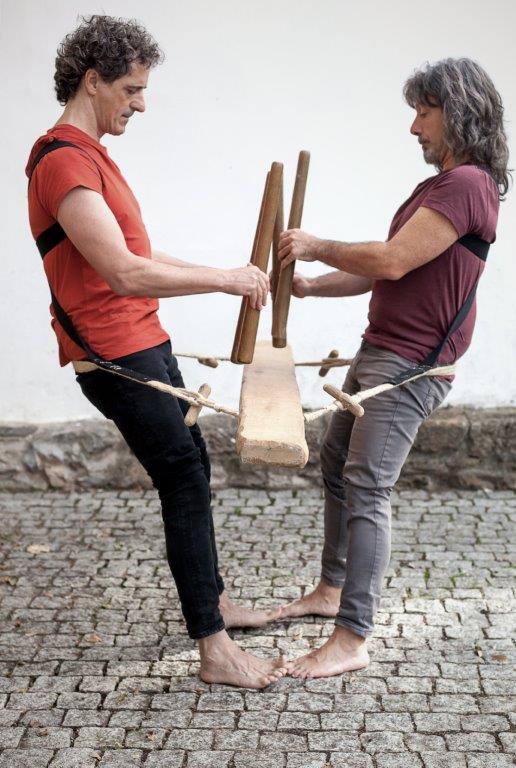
[138,104]
[415,128]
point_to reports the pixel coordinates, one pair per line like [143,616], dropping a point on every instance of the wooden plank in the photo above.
[271,427]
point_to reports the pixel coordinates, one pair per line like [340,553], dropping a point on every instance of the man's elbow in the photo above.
[122,283]
[394,266]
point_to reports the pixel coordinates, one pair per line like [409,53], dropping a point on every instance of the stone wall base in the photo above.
[455,448]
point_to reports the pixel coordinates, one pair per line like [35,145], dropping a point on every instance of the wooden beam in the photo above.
[247,328]
[271,427]
[283,287]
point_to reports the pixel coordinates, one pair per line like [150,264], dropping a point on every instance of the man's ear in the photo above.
[91,81]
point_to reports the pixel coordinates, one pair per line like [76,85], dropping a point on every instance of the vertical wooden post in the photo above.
[283,288]
[243,305]
[247,328]
[278,229]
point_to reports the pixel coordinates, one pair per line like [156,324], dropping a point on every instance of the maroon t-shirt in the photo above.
[412,315]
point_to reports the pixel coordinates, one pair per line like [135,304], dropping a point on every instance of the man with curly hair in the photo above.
[105,281]
[422,313]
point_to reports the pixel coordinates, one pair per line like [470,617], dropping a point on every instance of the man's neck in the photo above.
[81,116]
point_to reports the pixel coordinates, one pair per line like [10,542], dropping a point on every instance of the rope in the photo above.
[347,402]
[212,361]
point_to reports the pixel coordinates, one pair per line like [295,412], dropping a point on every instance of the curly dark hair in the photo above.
[472,110]
[104,43]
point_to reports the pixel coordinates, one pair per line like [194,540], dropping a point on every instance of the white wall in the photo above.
[245,83]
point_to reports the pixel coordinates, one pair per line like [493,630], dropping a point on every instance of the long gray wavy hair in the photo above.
[472,110]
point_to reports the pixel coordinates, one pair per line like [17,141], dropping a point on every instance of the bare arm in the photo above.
[331,285]
[164,258]
[93,229]
[424,237]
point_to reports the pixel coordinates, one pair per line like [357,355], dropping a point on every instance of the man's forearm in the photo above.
[156,279]
[164,258]
[339,284]
[374,260]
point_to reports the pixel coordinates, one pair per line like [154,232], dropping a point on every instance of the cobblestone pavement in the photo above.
[96,669]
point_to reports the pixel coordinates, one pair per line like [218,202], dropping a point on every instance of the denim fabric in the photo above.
[176,459]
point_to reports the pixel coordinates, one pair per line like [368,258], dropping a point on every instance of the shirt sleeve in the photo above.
[61,171]
[460,195]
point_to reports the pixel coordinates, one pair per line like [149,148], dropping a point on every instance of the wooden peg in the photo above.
[283,290]
[347,401]
[211,362]
[323,370]
[193,412]
[251,317]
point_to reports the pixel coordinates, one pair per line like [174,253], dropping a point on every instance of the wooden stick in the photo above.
[284,285]
[323,370]
[263,246]
[244,303]
[278,229]
[193,412]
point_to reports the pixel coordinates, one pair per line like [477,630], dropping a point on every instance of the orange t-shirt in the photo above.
[112,325]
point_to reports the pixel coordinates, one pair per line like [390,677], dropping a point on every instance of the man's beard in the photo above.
[433,156]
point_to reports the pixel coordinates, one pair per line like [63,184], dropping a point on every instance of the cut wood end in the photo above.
[193,412]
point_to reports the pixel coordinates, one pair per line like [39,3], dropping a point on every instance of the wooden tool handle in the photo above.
[193,412]
[323,370]
[263,247]
[244,302]
[344,399]
[283,290]
[278,229]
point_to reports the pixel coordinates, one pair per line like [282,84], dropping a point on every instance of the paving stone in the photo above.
[437,722]
[166,759]
[75,758]
[472,742]
[25,758]
[312,760]
[49,738]
[100,737]
[259,759]
[10,737]
[490,761]
[398,761]
[448,760]
[121,758]
[209,759]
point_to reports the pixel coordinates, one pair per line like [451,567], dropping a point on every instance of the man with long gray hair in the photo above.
[421,313]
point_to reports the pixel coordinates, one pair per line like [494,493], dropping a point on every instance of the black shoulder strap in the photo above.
[54,234]
[480,248]
[45,242]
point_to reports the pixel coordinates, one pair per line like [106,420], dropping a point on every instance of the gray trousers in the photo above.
[361,459]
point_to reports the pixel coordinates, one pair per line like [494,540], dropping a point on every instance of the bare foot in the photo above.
[222,661]
[344,651]
[323,601]
[238,616]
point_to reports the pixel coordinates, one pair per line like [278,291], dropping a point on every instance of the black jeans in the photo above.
[176,459]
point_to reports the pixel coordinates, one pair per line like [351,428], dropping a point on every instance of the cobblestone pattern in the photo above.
[96,670]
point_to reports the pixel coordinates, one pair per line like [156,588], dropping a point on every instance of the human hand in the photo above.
[300,286]
[296,244]
[248,281]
